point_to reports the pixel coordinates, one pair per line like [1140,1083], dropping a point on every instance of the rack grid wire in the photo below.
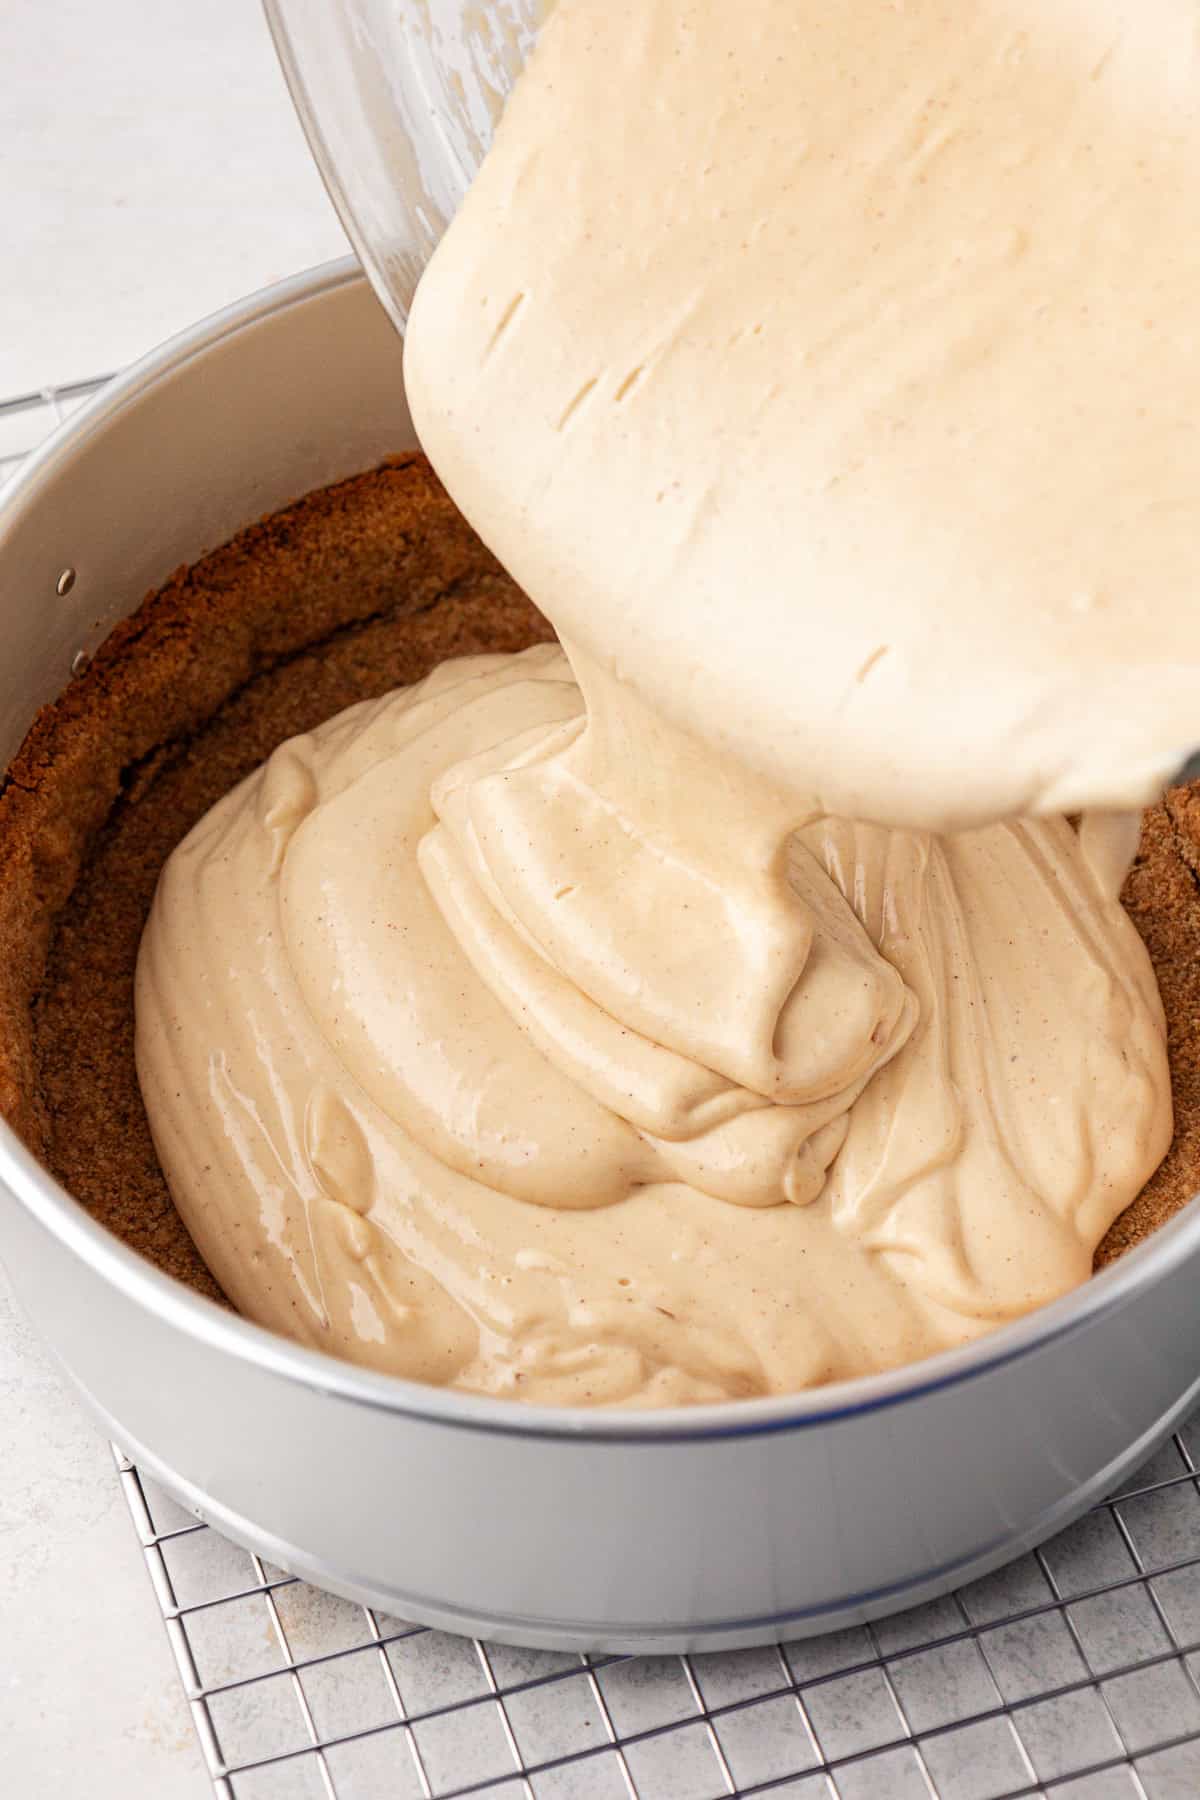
[1073,1672]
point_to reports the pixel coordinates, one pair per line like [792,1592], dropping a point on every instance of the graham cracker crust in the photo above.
[356,589]
[351,591]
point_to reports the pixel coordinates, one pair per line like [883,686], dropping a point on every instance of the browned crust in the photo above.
[1162,895]
[355,589]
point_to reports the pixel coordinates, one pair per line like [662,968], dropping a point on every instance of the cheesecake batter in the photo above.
[547,1029]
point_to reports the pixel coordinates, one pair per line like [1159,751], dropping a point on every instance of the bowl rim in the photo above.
[33,1188]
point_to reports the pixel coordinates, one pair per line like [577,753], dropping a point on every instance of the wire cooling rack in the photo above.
[1075,1671]
[27,418]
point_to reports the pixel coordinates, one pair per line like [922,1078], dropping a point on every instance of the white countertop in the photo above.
[152,171]
[90,1701]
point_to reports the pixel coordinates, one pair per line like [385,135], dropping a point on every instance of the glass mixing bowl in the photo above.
[398,99]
